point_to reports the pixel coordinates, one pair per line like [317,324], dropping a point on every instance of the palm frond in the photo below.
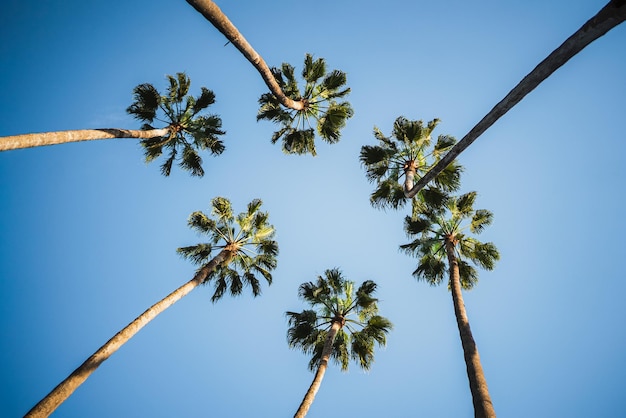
[443,144]
[431,269]
[222,209]
[206,99]
[198,254]
[313,70]
[220,288]
[166,167]
[332,83]
[146,103]
[299,142]
[485,255]
[191,162]
[388,194]
[178,88]
[464,204]
[333,121]
[449,179]
[416,225]
[200,222]
[467,274]
[480,220]
[340,350]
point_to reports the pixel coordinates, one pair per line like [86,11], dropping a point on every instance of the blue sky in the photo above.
[89,231]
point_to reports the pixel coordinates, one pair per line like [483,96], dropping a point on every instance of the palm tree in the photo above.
[321,111]
[606,19]
[441,238]
[408,152]
[186,130]
[321,331]
[243,254]
[314,106]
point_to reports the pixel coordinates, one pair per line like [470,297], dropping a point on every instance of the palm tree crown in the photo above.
[188,130]
[436,230]
[334,300]
[408,152]
[250,249]
[321,111]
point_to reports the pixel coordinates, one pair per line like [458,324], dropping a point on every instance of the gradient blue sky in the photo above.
[89,231]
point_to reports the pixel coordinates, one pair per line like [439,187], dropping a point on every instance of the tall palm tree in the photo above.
[186,130]
[443,246]
[340,317]
[408,152]
[243,254]
[300,113]
[606,19]
[321,113]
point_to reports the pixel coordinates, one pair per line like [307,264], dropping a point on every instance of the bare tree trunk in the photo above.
[606,19]
[483,407]
[321,370]
[63,390]
[214,14]
[61,137]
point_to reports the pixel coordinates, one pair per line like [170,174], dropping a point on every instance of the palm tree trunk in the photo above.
[64,389]
[214,14]
[606,19]
[409,176]
[321,370]
[61,137]
[483,407]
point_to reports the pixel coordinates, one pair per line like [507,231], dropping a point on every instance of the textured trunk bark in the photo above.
[409,176]
[214,14]
[606,19]
[61,137]
[321,370]
[63,390]
[483,407]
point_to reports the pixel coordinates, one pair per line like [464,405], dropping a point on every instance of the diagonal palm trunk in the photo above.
[483,407]
[214,14]
[64,389]
[321,370]
[61,137]
[606,19]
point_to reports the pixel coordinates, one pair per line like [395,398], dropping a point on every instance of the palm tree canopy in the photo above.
[248,240]
[322,113]
[189,130]
[332,298]
[409,149]
[431,231]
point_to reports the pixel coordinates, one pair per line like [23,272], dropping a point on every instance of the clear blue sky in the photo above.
[89,231]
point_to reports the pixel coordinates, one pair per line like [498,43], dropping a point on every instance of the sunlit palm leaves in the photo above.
[334,299]
[321,112]
[189,131]
[432,230]
[407,153]
[248,240]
